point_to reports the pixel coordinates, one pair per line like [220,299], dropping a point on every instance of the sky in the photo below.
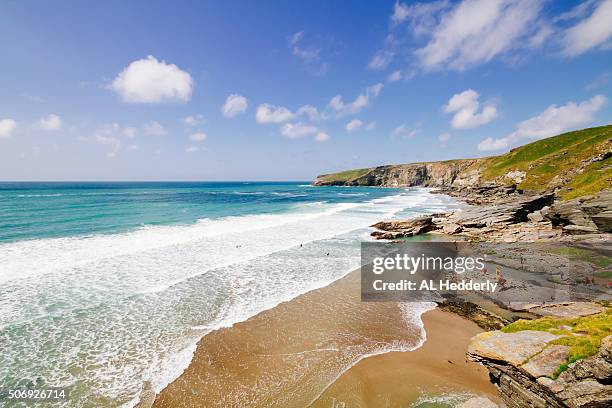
[277,90]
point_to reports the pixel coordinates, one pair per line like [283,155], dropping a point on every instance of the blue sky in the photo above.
[275,90]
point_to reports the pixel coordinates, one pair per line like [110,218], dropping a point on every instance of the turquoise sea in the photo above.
[107,287]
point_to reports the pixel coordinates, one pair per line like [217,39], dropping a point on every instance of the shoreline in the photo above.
[297,353]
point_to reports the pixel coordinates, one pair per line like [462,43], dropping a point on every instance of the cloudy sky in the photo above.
[273,90]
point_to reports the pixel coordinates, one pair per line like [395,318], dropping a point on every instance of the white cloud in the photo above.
[540,36]
[151,81]
[353,125]
[305,53]
[400,12]
[321,137]
[50,123]
[357,124]
[592,32]
[468,113]
[554,120]
[362,101]
[130,132]
[381,59]
[234,104]
[194,120]
[267,113]
[300,129]
[192,149]
[579,11]
[153,128]
[308,54]
[395,76]
[296,38]
[312,113]
[113,135]
[7,126]
[421,16]
[198,137]
[404,131]
[297,130]
[472,32]
[109,135]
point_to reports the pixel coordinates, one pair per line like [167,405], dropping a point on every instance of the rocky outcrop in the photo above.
[505,215]
[477,221]
[430,174]
[583,215]
[401,229]
[523,366]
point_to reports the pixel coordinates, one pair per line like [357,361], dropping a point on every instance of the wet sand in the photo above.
[310,352]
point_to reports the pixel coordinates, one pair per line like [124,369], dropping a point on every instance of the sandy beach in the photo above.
[326,348]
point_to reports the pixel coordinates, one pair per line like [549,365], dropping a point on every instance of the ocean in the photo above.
[106,287]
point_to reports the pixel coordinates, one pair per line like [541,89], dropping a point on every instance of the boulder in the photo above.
[535,216]
[451,228]
[408,228]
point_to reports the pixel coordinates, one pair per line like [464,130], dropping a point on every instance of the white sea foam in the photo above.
[109,312]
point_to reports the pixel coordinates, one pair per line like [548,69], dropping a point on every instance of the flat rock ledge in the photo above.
[507,216]
[523,364]
[567,310]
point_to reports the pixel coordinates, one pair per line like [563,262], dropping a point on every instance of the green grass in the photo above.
[596,177]
[600,261]
[582,335]
[544,160]
[604,274]
[344,175]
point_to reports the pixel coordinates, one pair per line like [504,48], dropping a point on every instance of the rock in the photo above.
[478,402]
[451,228]
[586,383]
[535,216]
[511,211]
[579,229]
[587,393]
[408,228]
[390,235]
[512,348]
[563,213]
[598,367]
[603,220]
[546,362]
[567,310]
[517,176]
[549,383]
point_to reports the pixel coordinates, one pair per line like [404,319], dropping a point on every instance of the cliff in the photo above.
[572,165]
[427,174]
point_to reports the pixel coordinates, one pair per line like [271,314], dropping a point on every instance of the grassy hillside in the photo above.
[343,176]
[573,164]
[560,161]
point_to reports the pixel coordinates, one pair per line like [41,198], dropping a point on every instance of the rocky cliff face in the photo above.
[525,367]
[432,174]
